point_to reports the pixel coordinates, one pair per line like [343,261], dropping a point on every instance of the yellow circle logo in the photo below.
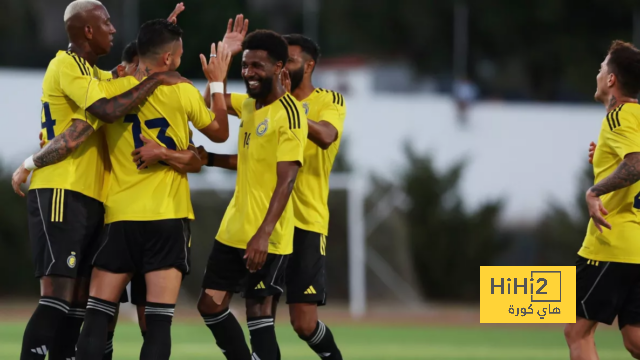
[71,261]
[262,127]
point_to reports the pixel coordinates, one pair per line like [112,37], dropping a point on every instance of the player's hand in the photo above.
[216,69]
[173,17]
[42,142]
[203,155]
[235,34]
[169,78]
[151,153]
[597,210]
[257,250]
[20,176]
[285,80]
[592,151]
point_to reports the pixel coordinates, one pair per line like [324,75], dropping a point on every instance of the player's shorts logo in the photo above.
[305,105]
[262,127]
[71,260]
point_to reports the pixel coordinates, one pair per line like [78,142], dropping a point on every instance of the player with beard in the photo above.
[608,264]
[255,237]
[305,274]
[65,199]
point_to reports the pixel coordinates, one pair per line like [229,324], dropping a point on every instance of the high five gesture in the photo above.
[235,34]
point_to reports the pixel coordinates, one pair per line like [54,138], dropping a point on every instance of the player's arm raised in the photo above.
[215,72]
[236,32]
[182,161]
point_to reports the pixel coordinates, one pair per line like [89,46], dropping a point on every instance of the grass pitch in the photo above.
[193,341]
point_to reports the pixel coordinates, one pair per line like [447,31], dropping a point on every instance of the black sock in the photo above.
[263,337]
[108,351]
[64,345]
[228,334]
[93,338]
[40,333]
[157,340]
[321,341]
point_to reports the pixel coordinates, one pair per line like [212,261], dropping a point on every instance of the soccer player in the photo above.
[148,208]
[255,237]
[608,264]
[305,276]
[129,59]
[65,209]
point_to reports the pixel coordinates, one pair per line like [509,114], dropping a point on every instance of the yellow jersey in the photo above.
[157,192]
[311,192]
[69,87]
[275,133]
[619,136]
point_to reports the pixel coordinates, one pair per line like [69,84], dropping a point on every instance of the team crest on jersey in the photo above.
[71,260]
[305,105]
[262,127]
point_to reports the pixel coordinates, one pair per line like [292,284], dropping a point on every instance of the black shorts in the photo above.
[64,228]
[305,275]
[145,246]
[227,271]
[605,290]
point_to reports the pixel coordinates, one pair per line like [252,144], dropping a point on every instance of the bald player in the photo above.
[65,197]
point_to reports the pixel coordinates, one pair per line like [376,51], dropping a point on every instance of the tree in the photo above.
[16,266]
[561,232]
[448,243]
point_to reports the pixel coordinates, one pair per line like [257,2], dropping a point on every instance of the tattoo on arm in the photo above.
[64,144]
[627,174]
[110,110]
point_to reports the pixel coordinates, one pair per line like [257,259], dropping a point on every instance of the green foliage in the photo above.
[543,49]
[448,242]
[561,232]
[16,266]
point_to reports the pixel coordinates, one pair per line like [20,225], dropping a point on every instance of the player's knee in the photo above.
[81,291]
[206,305]
[633,347]
[303,326]
[259,307]
[58,287]
[577,332]
[631,343]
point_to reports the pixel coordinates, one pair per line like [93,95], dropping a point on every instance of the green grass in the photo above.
[193,341]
